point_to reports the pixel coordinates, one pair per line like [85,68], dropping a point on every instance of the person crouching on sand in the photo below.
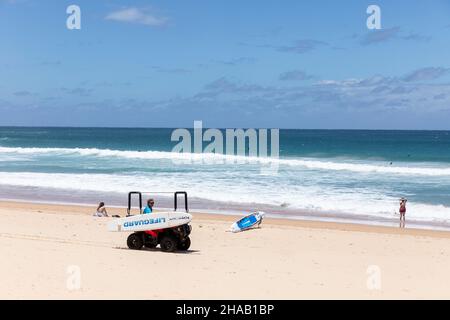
[149,208]
[402,212]
[101,210]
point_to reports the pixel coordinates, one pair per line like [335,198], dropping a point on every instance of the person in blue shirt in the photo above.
[149,208]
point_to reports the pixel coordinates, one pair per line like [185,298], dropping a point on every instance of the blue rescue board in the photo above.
[248,222]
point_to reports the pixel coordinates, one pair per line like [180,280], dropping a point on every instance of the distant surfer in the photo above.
[402,211]
[149,208]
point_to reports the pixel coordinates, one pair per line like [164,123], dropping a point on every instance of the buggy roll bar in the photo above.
[175,204]
[129,201]
[175,201]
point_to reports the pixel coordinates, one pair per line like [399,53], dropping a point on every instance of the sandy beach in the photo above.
[45,247]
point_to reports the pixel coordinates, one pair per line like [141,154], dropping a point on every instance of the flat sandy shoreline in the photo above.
[43,245]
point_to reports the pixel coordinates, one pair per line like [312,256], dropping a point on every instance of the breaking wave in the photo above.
[308,163]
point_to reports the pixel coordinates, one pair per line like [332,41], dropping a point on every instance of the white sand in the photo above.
[284,259]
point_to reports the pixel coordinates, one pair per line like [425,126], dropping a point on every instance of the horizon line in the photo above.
[220,128]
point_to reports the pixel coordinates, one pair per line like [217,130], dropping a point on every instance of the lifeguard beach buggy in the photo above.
[169,229]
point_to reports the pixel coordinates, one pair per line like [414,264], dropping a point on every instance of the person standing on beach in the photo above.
[402,212]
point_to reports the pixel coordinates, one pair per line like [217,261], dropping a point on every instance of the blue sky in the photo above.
[283,64]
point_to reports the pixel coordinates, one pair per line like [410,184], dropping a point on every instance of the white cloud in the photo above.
[424,74]
[138,16]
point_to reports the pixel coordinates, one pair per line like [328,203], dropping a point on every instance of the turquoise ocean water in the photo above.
[322,173]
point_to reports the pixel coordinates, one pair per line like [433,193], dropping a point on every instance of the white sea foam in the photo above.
[209,158]
[308,184]
[306,198]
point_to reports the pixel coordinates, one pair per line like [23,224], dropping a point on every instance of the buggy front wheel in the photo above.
[135,241]
[168,244]
[184,244]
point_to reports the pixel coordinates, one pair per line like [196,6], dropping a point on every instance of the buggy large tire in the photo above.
[184,244]
[135,241]
[168,244]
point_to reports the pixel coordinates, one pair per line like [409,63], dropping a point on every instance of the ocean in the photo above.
[346,175]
